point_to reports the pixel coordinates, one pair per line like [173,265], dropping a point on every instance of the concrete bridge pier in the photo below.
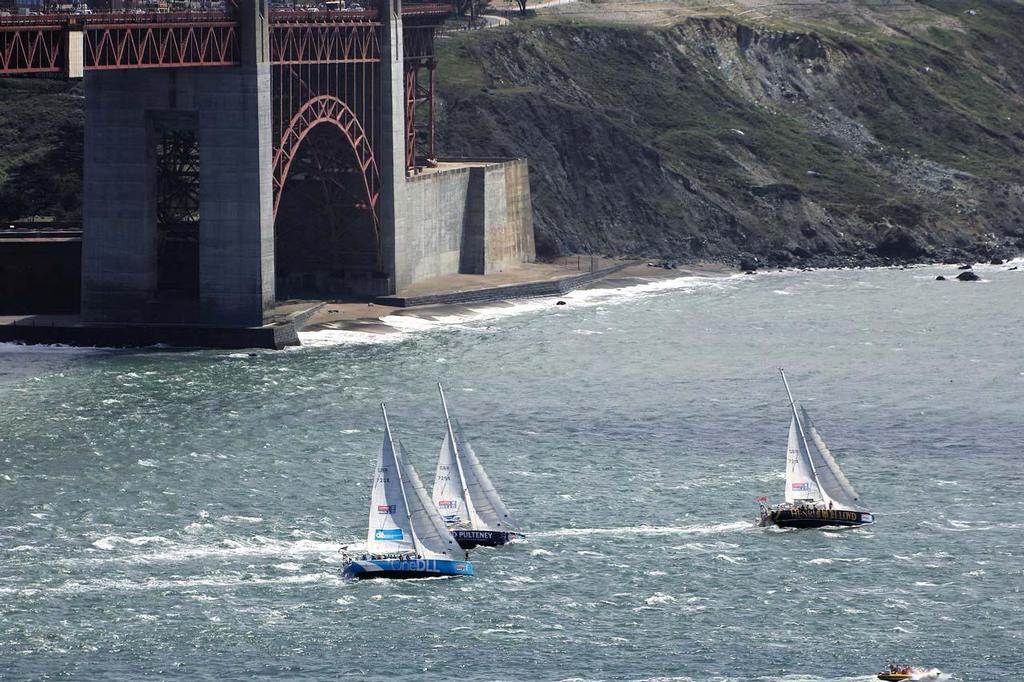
[392,139]
[178,217]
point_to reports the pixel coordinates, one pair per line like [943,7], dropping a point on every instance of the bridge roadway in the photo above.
[68,44]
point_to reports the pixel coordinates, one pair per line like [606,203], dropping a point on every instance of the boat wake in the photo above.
[218,580]
[627,531]
[171,551]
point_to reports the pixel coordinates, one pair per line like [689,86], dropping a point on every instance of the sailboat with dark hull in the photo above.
[464,495]
[818,493]
[406,537]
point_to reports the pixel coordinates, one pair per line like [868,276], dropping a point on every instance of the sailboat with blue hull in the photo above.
[818,493]
[406,536]
[464,495]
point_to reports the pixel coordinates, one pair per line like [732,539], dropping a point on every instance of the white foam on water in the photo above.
[12,348]
[627,531]
[241,519]
[659,598]
[343,337]
[828,561]
[111,541]
[178,585]
[423,321]
[225,548]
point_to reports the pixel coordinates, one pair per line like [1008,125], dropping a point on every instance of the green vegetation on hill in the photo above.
[40,148]
[816,138]
[714,139]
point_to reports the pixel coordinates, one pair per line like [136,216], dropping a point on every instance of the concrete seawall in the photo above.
[143,335]
[468,216]
[512,291]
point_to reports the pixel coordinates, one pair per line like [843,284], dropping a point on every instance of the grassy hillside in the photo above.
[799,139]
[40,148]
[828,132]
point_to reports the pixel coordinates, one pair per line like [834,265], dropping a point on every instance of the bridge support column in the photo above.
[126,262]
[392,143]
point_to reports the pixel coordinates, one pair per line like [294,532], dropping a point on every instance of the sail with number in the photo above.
[390,527]
[834,482]
[818,493]
[487,504]
[433,538]
[801,483]
[449,494]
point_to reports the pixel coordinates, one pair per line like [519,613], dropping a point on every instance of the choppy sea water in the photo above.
[179,514]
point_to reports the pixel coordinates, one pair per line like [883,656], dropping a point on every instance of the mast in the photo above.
[458,459]
[401,483]
[803,438]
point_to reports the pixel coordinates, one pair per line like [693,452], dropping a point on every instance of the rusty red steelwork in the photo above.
[31,47]
[323,70]
[162,45]
[316,42]
[188,39]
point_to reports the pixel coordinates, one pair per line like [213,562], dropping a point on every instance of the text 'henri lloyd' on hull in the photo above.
[818,493]
[406,536]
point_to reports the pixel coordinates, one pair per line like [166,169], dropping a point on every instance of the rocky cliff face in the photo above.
[717,140]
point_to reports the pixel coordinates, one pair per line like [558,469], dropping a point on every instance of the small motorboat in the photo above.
[897,673]
[406,538]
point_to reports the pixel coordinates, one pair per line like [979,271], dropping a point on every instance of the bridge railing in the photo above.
[69,44]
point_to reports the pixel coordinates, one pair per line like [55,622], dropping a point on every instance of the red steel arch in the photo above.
[328,109]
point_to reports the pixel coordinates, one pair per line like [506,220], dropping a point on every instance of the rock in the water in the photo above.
[752,272]
[1013,268]
[560,303]
[968,276]
[996,261]
[965,266]
[748,264]
[940,278]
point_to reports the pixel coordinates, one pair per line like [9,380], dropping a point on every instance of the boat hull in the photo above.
[406,569]
[894,677]
[798,517]
[468,539]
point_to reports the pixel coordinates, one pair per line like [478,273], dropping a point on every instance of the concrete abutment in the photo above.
[466,216]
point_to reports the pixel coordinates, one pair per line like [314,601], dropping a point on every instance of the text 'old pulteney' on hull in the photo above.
[464,494]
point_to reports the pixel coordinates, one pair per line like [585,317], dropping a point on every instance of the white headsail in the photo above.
[390,528]
[801,483]
[811,485]
[450,494]
[834,482]
[490,510]
[432,535]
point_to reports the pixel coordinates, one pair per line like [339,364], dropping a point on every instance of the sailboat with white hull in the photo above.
[406,537]
[818,493]
[464,494]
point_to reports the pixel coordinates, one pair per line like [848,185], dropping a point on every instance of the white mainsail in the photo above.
[488,506]
[449,492]
[801,483]
[433,538]
[390,528]
[831,477]
[463,493]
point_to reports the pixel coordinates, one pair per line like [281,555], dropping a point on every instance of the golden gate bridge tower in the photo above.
[236,158]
